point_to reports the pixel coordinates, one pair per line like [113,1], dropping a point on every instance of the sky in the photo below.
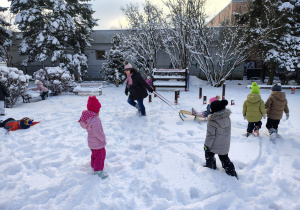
[111,17]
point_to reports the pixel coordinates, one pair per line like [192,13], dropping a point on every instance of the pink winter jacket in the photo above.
[40,87]
[96,137]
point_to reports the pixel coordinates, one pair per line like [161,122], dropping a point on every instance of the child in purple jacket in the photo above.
[90,121]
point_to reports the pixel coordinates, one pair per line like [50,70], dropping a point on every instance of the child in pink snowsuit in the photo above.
[43,90]
[90,121]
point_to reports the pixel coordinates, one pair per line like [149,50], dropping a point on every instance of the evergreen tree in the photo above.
[5,38]
[56,30]
[115,62]
[274,32]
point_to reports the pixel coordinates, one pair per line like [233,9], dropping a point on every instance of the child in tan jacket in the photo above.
[276,104]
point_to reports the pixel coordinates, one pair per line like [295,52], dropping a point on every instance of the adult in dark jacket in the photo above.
[3,94]
[136,86]
[218,137]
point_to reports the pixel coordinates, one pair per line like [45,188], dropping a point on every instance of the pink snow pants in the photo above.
[98,158]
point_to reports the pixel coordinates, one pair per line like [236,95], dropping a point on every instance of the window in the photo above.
[100,54]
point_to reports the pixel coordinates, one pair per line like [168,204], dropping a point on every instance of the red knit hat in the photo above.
[93,104]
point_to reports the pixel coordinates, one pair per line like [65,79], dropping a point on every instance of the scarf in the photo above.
[129,80]
[86,114]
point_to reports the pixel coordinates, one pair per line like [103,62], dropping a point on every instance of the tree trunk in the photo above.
[272,73]
[298,75]
[264,69]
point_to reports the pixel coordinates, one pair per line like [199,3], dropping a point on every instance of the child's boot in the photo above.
[273,134]
[101,174]
[256,131]
[194,112]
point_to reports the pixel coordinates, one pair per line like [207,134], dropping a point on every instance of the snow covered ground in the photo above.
[154,162]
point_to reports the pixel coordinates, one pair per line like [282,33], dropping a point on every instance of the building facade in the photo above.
[226,14]
[100,45]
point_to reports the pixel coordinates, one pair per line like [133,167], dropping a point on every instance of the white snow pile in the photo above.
[55,79]
[154,162]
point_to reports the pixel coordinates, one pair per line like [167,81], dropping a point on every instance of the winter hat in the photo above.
[214,98]
[217,106]
[93,104]
[276,87]
[255,88]
[127,66]
[28,121]
[36,81]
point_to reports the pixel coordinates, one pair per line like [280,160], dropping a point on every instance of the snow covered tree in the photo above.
[218,51]
[115,62]
[55,79]
[56,30]
[15,82]
[5,39]
[142,41]
[275,27]
[176,32]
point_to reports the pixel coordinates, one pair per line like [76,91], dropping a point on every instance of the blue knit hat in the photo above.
[276,87]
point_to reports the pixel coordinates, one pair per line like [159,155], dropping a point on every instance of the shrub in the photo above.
[55,79]
[15,82]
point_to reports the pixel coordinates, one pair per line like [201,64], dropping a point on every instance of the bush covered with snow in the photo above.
[15,82]
[55,79]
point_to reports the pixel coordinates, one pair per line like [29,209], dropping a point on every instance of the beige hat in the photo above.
[36,81]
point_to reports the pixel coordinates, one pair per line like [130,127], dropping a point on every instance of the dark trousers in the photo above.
[2,124]
[226,163]
[140,104]
[251,126]
[44,94]
[272,124]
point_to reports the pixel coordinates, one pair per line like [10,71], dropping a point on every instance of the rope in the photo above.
[165,100]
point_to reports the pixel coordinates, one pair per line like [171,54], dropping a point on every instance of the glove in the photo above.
[244,117]
[126,92]
[264,116]
[287,116]
[151,90]
[206,148]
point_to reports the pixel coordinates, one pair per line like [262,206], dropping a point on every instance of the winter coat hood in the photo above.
[221,117]
[279,95]
[276,104]
[253,98]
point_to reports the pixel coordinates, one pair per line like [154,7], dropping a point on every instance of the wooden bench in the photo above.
[26,97]
[88,89]
[270,86]
[170,78]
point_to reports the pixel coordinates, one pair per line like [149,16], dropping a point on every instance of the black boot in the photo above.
[228,165]
[210,160]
